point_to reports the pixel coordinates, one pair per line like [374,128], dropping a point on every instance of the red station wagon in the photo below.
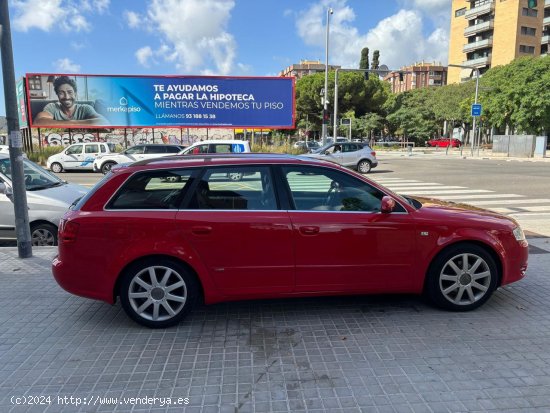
[166,233]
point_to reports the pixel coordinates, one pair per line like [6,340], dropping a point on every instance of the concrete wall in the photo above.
[522,146]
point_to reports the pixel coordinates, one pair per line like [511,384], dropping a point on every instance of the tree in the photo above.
[364,62]
[376,59]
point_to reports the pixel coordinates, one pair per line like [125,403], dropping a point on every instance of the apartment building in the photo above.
[306,67]
[417,76]
[487,33]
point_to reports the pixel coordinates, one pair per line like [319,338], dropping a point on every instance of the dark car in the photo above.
[292,227]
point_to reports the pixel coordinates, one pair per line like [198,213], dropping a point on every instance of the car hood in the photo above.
[459,212]
[62,195]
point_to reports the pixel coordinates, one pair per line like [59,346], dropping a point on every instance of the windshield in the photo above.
[36,177]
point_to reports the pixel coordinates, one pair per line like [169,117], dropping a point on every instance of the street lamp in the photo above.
[325,98]
[475,103]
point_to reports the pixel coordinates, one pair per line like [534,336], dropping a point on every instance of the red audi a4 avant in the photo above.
[167,233]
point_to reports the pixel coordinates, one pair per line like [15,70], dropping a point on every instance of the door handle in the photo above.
[309,230]
[201,230]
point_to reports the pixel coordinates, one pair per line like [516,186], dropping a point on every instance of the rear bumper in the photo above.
[76,281]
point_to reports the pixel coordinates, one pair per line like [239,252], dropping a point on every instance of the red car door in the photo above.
[239,233]
[346,244]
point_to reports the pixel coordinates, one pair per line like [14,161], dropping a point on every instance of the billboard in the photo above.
[101,101]
[21,104]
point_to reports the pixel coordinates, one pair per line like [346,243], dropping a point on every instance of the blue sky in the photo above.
[219,37]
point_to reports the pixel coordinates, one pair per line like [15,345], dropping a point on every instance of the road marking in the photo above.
[457,191]
[510,202]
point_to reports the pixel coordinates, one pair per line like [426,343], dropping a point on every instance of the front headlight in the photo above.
[518,234]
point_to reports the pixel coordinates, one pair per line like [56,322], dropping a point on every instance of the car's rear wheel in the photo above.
[56,167]
[43,235]
[158,293]
[364,166]
[462,278]
[106,167]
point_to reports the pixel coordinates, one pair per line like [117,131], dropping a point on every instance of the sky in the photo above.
[220,37]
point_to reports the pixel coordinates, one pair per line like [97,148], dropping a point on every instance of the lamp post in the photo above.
[325,99]
[475,102]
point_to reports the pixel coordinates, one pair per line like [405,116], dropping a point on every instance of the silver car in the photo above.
[48,198]
[354,155]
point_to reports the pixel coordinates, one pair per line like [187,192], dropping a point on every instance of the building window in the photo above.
[528,31]
[460,12]
[526,49]
[35,83]
[529,12]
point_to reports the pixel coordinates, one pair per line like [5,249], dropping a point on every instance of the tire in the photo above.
[141,295]
[43,235]
[453,286]
[364,166]
[106,167]
[56,167]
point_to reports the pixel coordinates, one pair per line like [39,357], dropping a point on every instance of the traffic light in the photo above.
[326,116]
[532,4]
[400,76]
[366,75]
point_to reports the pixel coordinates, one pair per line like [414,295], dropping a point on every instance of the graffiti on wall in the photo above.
[118,137]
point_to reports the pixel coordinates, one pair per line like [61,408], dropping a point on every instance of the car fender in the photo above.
[181,251]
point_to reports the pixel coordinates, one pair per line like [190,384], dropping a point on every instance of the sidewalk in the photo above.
[456,153]
[338,354]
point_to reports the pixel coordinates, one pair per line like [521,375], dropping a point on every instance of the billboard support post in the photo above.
[19,198]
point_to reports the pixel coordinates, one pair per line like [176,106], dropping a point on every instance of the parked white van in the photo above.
[217,146]
[78,156]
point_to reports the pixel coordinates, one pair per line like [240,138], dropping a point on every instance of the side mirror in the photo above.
[6,190]
[388,204]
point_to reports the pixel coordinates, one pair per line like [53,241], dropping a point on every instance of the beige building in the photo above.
[487,33]
[417,76]
[306,67]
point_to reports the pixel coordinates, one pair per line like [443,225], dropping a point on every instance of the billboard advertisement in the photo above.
[21,104]
[100,101]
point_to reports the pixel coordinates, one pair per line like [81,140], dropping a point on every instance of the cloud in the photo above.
[144,56]
[65,65]
[400,37]
[193,34]
[77,45]
[46,15]
[132,18]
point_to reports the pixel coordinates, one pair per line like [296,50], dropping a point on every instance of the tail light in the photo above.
[68,230]
[373,153]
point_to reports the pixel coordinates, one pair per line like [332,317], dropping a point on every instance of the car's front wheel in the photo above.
[43,235]
[157,293]
[364,166]
[56,167]
[462,278]
[106,167]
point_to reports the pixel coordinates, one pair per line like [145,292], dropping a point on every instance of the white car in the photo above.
[217,146]
[78,156]
[104,163]
[48,198]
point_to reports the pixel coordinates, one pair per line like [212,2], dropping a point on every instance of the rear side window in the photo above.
[91,148]
[155,149]
[172,149]
[164,189]
[235,188]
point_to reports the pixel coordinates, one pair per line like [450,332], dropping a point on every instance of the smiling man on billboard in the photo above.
[67,110]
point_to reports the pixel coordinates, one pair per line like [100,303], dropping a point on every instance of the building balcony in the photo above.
[546,21]
[477,28]
[470,47]
[545,39]
[546,3]
[478,62]
[479,11]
